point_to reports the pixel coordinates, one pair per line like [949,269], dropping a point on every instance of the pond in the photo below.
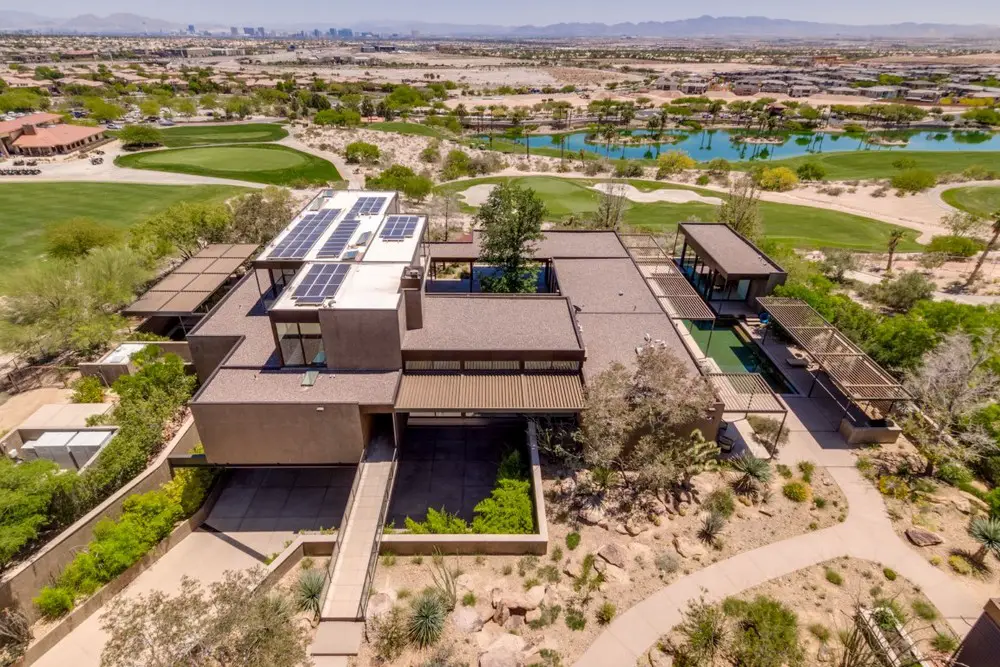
[731,144]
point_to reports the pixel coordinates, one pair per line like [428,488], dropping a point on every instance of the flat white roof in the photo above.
[367,285]
[364,242]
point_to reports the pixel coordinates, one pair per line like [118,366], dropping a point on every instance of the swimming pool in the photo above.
[734,352]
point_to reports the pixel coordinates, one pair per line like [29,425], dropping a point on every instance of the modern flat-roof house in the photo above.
[44,134]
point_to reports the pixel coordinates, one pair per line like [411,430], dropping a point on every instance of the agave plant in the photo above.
[754,474]
[986,532]
[711,526]
[427,619]
[309,590]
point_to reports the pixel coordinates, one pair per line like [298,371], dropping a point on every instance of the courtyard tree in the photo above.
[611,207]
[510,221]
[995,228]
[741,209]
[232,623]
[964,224]
[641,423]
[446,205]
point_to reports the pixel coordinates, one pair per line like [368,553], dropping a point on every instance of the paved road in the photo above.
[867,533]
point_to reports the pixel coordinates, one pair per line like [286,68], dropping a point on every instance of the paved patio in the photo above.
[453,467]
[261,508]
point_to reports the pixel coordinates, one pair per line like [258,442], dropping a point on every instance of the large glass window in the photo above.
[301,343]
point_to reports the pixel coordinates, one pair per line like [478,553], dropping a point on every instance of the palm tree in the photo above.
[986,251]
[754,474]
[987,533]
[714,108]
[895,236]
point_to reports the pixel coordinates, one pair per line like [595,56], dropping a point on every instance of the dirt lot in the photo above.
[660,549]
[822,605]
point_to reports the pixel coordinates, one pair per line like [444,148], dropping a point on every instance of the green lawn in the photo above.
[264,163]
[35,206]
[878,164]
[184,136]
[984,201]
[803,227]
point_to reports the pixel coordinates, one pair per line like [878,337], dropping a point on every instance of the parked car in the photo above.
[166,122]
[114,126]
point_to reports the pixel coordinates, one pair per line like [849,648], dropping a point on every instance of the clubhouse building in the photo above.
[44,135]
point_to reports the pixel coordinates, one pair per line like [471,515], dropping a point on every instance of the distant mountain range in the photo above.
[701,27]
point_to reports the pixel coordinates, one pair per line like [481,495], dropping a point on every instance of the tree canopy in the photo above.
[510,220]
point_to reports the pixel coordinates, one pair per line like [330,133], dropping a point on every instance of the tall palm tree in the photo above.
[895,236]
[989,247]
[986,532]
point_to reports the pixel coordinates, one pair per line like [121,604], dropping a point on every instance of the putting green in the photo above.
[984,201]
[805,227]
[182,136]
[260,163]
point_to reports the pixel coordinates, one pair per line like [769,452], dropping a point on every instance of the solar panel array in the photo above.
[300,240]
[399,227]
[338,240]
[367,206]
[321,282]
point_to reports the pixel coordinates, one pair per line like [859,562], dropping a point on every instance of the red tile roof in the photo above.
[8,126]
[57,135]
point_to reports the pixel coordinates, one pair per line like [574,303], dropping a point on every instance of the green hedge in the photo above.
[508,511]
[146,519]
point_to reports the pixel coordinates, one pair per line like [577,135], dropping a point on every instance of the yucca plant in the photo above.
[427,619]
[986,532]
[309,590]
[711,526]
[754,474]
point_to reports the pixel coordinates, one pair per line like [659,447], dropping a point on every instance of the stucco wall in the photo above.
[207,352]
[280,433]
[363,339]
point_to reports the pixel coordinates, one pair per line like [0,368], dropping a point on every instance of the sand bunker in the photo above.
[633,193]
[477,194]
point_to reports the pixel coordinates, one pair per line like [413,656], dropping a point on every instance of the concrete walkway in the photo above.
[867,534]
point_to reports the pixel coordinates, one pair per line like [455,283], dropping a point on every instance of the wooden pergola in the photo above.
[678,297]
[852,371]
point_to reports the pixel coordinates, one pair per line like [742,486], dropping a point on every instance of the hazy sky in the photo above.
[517,12]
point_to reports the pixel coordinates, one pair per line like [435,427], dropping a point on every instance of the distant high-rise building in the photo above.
[332,32]
[234,31]
[191,29]
[345,33]
[260,32]
[316,32]
[248,32]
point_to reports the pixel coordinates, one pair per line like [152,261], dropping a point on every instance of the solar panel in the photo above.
[367,206]
[303,236]
[321,282]
[399,227]
[338,240]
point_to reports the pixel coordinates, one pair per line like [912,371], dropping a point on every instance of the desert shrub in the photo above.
[438,523]
[431,153]
[796,491]
[955,246]
[549,614]
[575,620]
[667,563]
[556,554]
[719,166]
[721,501]
[628,169]
[672,163]
[960,564]
[904,292]
[469,599]
[572,540]
[784,471]
[954,473]
[766,429]
[834,577]
[389,635]
[924,610]
[819,502]
[88,389]
[606,613]
[807,468]
[889,573]
[340,117]
[549,573]
[776,179]
[711,526]
[944,642]
[427,617]
[309,590]
[820,632]
[811,171]
[593,167]
[894,487]
[904,163]
[978,172]
[704,179]
[913,180]
[361,152]
[457,163]
[766,635]
[54,601]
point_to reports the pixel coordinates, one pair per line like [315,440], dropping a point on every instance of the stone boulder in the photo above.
[500,658]
[688,548]
[636,526]
[923,538]
[593,515]
[467,620]
[521,603]
[487,635]
[507,642]
[612,573]
[533,615]
[614,553]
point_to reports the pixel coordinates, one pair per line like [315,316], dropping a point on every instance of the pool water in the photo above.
[709,144]
[735,353]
